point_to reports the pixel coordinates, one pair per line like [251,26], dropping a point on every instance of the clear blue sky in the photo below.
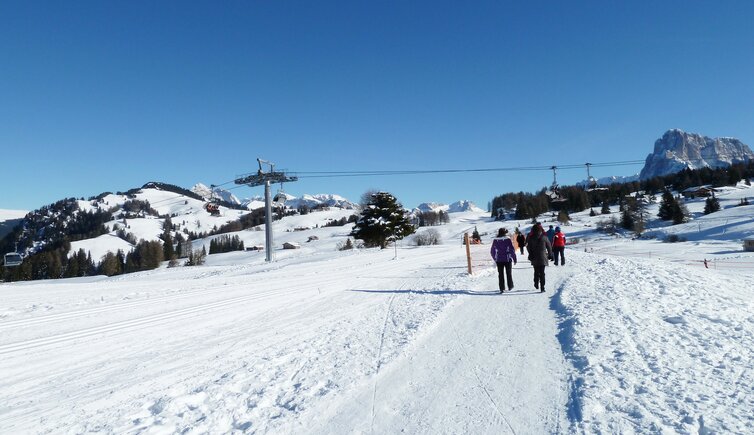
[106,95]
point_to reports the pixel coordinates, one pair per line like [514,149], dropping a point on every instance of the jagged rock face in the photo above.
[677,150]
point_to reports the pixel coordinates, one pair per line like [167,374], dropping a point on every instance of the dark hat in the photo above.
[557,228]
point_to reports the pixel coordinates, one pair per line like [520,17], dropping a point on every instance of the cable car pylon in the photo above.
[265,178]
[591,182]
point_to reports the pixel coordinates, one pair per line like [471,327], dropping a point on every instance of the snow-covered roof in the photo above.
[697,188]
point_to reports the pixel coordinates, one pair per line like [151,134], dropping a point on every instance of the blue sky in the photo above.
[105,96]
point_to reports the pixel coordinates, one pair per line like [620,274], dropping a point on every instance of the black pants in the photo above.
[539,277]
[558,251]
[507,268]
[522,249]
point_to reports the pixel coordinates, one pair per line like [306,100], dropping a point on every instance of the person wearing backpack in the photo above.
[540,250]
[558,246]
[503,253]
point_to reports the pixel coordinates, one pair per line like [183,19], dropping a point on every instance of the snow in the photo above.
[98,247]
[632,336]
[6,215]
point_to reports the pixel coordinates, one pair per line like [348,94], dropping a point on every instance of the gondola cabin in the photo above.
[749,244]
[13,259]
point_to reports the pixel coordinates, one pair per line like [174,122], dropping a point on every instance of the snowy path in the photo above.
[492,365]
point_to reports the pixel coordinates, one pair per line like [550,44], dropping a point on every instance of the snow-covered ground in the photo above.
[11,214]
[632,336]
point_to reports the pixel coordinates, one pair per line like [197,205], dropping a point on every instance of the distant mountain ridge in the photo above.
[456,207]
[290,201]
[677,150]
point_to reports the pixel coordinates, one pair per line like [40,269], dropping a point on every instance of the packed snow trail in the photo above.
[491,365]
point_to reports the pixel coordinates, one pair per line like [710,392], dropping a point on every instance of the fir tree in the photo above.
[383,219]
[668,205]
[711,205]
[563,217]
[605,208]
[680,213]
[627,220]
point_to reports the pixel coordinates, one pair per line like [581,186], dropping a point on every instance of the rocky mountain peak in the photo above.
[677,150]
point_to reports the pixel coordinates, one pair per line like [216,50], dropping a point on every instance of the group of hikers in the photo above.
[542,246]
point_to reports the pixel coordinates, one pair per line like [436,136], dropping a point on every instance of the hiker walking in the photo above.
[521,240]
[540,250]
[558,246]
[504,254]
[550,237]
[550,234]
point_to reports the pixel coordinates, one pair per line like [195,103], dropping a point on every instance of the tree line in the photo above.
[523,205]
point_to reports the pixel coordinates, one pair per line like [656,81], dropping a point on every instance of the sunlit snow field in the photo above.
[632,336]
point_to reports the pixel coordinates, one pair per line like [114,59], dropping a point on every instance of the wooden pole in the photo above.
[468,250]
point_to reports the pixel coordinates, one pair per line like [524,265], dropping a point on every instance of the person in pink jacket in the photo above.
[504,254]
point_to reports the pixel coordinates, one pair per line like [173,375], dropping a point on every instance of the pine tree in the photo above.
[668,204]
[563,217]
[383,219]
[627,220]
[711,205]
[168,252]
[680,213]
[605,208]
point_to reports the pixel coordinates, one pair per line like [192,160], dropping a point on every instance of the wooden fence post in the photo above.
[468,250]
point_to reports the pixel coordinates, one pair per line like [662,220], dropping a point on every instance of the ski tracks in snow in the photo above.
[379,355]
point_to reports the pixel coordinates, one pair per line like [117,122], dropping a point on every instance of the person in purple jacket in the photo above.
[504,254]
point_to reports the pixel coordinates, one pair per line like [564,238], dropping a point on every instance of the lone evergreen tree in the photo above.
[711,205]
[668,204]
[605,208]
[563,217]
[383,219]
[680,213]
[627,220]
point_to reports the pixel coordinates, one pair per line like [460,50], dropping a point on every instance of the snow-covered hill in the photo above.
[9,219]
[6,215]
[632,336]
[463,206]
[319,200]
[209,194]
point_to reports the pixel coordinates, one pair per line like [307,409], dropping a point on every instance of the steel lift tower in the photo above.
[266,178]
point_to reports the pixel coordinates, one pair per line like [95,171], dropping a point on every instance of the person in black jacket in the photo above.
[540,250]
[521,240]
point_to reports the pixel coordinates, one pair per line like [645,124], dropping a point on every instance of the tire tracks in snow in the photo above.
[378,365]
[481,384]
[68,315]
[127,325]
